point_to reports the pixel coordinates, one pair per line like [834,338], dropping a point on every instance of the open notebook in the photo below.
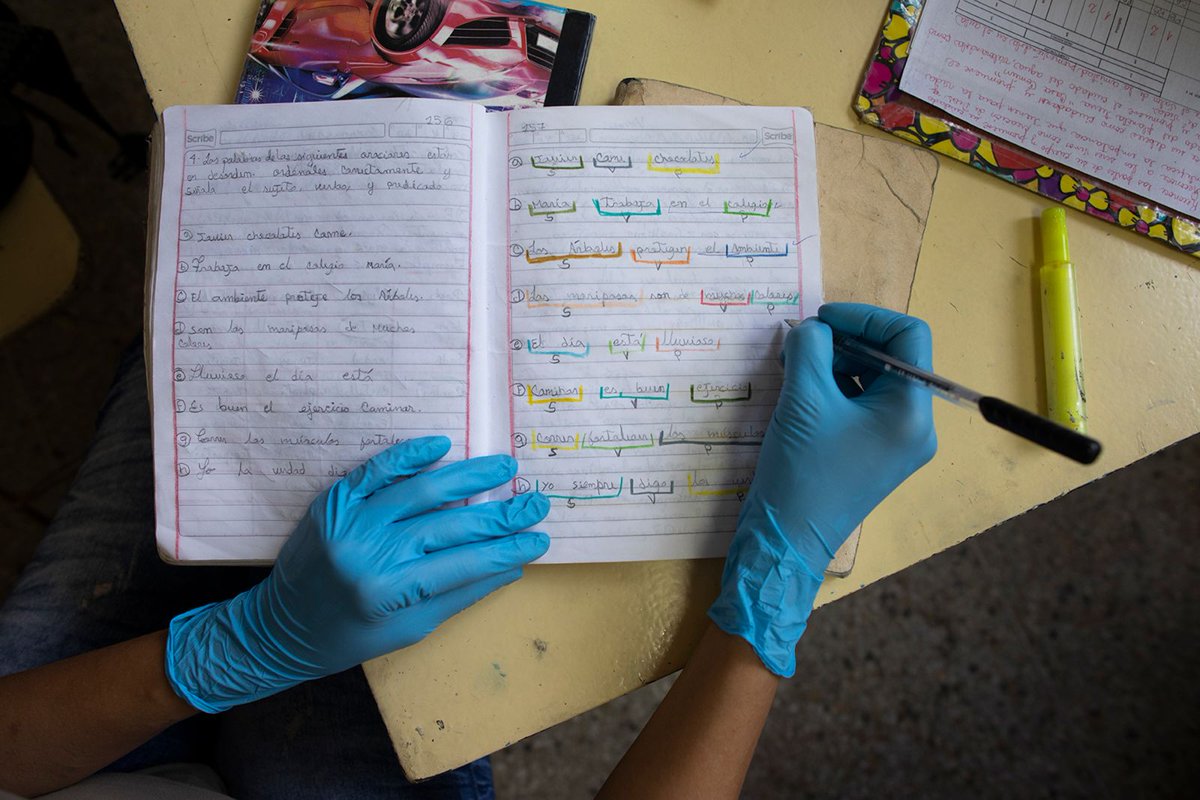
[599,291]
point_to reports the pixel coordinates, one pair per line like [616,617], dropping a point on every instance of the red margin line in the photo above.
[799,242]
[508,295]
[174,313]
[470,283]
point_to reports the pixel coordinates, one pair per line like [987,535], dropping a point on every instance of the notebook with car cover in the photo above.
[502,54]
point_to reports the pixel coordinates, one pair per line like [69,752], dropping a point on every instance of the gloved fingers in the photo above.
[847,382]
[398,461]
[907,338]
[446,605]
[808,356]
[455,527]
[849,367]
[437,573]
[428,490]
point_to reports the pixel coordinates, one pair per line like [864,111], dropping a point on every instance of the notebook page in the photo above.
[653,256]
[310,307]
[1108,88]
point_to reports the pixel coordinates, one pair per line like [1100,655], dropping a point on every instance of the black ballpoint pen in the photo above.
[1026,424]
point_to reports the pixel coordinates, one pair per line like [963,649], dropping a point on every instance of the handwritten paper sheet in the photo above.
[653,255]
[309,308]
[1107,87]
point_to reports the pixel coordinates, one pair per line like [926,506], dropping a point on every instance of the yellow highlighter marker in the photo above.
[1060,325]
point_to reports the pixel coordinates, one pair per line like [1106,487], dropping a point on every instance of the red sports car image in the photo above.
[500,53]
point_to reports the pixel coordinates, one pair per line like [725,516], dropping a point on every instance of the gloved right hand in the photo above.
[828,458]
[374,566]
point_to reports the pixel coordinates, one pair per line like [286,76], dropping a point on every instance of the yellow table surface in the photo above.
[975,284]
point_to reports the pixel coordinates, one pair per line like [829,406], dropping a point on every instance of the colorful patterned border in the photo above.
[881,103]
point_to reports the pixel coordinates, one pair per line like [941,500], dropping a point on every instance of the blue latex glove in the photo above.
[828,458]
[373,567]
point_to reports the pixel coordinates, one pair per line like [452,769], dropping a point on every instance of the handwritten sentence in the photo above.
[693,485]
[613,440]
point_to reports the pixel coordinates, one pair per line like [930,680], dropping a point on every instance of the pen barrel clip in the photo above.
[1047,433]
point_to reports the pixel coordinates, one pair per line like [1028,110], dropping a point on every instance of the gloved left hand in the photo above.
[374,566]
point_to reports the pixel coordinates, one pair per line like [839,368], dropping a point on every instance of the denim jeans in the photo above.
[96,580]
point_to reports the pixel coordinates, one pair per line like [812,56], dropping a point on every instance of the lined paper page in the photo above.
[653,256]
[310,307]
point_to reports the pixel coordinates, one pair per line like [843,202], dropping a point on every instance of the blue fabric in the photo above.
[96,580]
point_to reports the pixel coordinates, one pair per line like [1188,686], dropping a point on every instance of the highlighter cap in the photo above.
[1054,236]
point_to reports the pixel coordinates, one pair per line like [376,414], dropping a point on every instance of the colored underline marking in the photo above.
[736,213]
[713,170]
[622,446]
[629,349]
[534,443]
[572,256]
[636,256]
[578,398]
[627,165]
[587,348]
[658,348]
[537,486]
[741,301]
[552,212]
[691,484]
[749,391]
[534,163]
[790,300]
[786,249]
[599,304]
[669,490]
[662,442]
[657,212]
[666,395]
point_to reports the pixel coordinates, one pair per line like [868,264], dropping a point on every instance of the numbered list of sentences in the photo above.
[653,257]
[320,312]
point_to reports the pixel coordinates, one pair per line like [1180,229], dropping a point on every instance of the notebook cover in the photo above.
[499,53]
[571,59]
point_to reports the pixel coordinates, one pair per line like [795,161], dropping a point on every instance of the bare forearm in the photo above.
[61,722]
[700,740]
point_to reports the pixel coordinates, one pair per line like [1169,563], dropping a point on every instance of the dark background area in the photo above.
[1053,656]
